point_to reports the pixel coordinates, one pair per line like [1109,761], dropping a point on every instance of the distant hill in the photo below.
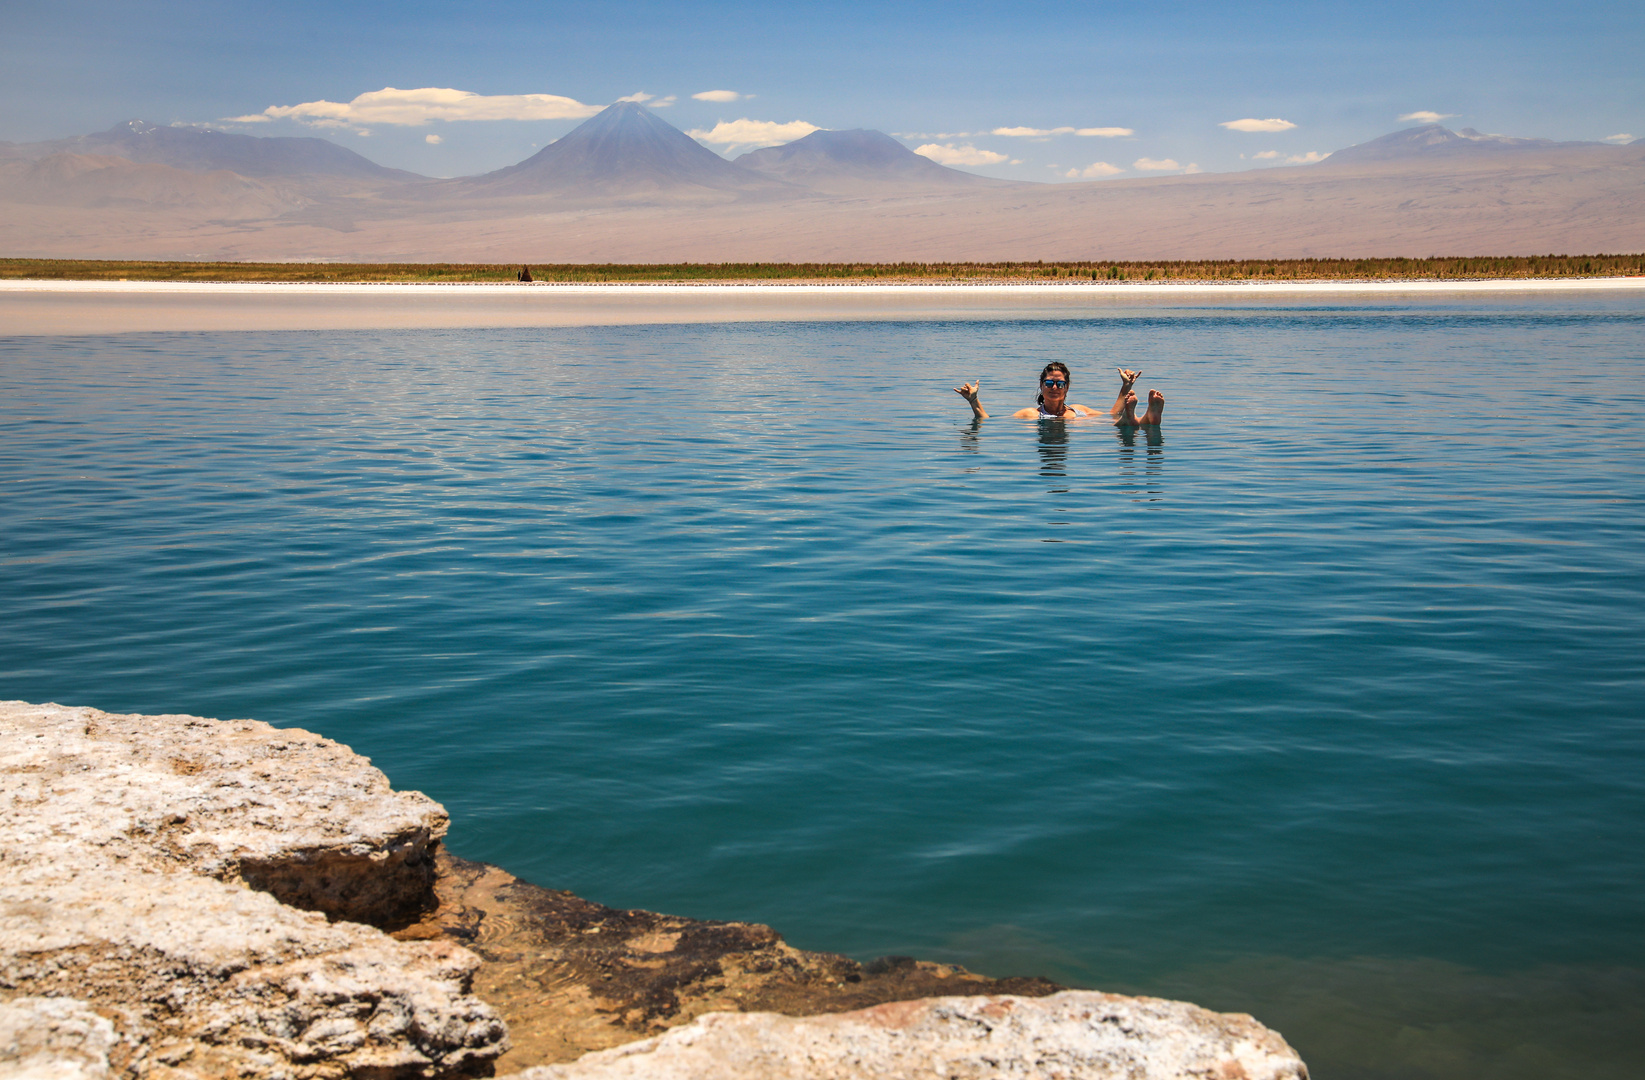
[1432,141]
[206,150]
[625,150]
[848,161]
[102,181]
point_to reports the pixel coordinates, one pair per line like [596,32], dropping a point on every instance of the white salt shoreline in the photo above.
[29,307]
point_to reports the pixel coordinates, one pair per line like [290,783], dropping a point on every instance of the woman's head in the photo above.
[1054,373]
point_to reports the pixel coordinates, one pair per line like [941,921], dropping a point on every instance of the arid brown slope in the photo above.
[1588,202]
[569,976]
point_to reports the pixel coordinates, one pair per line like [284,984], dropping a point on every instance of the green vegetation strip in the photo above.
[1447,269]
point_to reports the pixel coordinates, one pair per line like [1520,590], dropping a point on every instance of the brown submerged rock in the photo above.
[570,976]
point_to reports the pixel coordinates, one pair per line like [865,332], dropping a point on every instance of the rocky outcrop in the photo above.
[286,812]
[1075,1034]
[151,875]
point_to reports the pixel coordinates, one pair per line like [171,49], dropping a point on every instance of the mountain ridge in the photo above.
[207,149]
[1433,192]
[1436,141]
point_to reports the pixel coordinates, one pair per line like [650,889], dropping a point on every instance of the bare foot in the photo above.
[1156,407]
[1128,415]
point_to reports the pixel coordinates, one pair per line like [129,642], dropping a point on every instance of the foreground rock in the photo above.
[183,899]
[129,872]
[1075,1034]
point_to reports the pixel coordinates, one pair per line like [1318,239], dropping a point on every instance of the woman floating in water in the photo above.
[1053,400]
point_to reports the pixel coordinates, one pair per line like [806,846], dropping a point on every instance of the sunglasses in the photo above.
[1054,384]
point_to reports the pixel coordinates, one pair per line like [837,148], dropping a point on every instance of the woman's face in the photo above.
[1054,388]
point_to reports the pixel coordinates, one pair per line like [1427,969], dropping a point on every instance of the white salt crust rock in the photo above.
[45,1038]
[283,811]
[1074,1035]
[128,849]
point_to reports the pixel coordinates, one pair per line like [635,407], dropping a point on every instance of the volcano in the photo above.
[855,161]
[626,150]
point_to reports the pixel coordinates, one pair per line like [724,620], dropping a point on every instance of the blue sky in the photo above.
[1042,92]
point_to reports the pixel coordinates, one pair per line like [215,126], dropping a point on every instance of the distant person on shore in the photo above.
[1053,401]
[524,274]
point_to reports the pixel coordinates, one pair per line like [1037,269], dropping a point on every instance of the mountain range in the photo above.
[207,150]
[627,186]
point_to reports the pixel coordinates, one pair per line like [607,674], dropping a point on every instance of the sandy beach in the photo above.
[111,307]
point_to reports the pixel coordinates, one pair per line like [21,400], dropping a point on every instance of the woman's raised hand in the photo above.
[969,393]
[1127,377]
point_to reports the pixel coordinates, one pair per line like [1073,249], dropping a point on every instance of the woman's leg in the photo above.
[1127,377]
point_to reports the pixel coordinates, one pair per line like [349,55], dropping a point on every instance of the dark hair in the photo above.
[1055,365]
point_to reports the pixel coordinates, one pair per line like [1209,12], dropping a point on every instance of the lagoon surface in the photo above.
[1326,703]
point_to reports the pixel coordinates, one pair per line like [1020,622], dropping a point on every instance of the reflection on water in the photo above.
[1053,444]
[1146,476]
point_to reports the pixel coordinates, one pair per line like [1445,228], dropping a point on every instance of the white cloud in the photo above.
[938,134]
[718,95]
[1093,170]
[1041,133]
[256,118]
[1292,159]
[1191,169]
[1148,164]
[433,140]
[1427,117]
[1253,124]
[1619,138]
[640,97]
[746,132]
[1031,133]
[960,155]
[417,107]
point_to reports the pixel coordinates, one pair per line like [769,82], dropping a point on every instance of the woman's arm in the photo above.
[969,392]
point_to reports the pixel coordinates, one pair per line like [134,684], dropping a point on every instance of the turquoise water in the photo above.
[1327,703]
